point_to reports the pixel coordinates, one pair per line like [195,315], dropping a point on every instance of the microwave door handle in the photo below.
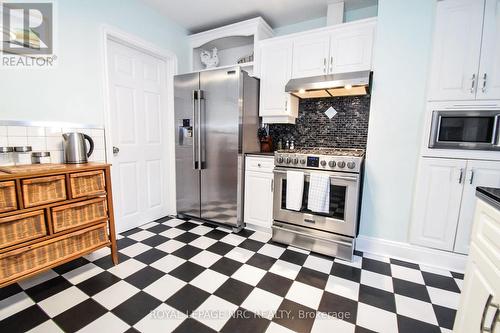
[495,140]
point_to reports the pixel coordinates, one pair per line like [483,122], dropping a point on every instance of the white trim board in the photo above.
[413,253]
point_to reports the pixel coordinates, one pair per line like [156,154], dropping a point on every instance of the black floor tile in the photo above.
[377,297]
[130,232]
[440,281]
[10,290]
[275,284]
[411,289]
[98,283]
[158,228]
[187,271]
[220,248]
[376,266]
[457,275]
[216,234]
[358,253]
[294,257]
[261,261]
[155,240]
[243,321]
[190,326]
[69,266]
[404,263]
[187,226]
[346,272]
[360,329]
[187,299]
[251,245]
[163,219]
[136,307]
[246,233]
[48,288]
[187,252]
[107,263]
[124,242]
[226,266]
[294,316]
[80,315]
[24,320]
[409,325]
[144,277]
[186,237]
[312,277]
[150,256]
[234,291]
[332,303]
[445,316]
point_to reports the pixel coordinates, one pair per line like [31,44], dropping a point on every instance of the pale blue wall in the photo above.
[73,91]
[400,68]
[360,13]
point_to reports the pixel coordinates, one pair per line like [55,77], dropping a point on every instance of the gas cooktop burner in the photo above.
[325,151]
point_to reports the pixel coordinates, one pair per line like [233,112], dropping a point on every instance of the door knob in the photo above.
[116,150]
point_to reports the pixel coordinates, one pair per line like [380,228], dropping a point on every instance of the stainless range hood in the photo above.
[332,85]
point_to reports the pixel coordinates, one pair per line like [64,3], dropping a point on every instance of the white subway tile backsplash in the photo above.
[16,130]
[16,141]
[37,143]
[36,131]
[54,143]
[3,141]
[99,142]
[98,155]
[3,130]
[53,131]
[56,156]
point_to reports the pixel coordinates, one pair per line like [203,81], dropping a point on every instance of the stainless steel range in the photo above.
[331,233]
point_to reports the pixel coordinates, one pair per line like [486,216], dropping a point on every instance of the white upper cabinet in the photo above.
[489,69]
[311,55]
[479,173]
[466,59]
[351,49]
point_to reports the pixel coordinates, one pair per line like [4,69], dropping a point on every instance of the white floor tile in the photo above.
[209,280]
[325,323]
[376,257]
[435,270]
[37,279]
[82,273]
[168,263]
[62,301]
[162,319]
[164,287]
[172,232]
[214,312]
[141,235]
[249,274]
[108,322]
[240,254]
[116,294]
[304,294]
[377,280]
[275,328]
[343,287]
[376,319]
[285,268]
[170,246]
[415,309]
[260,236]
[232,239]
[357,261]
[444,297]
[200,230]
[126,268]
[135,249]
[47,327]
[205,258]
[14,304]
[105,251]
[459,283]
[173,222]
[405,273]
[319,264]
[203,242]
[272,250]
[262,303]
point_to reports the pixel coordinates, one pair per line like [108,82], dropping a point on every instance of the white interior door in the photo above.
[137,87]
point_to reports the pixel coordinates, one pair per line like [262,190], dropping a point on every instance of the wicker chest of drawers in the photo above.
[52,214]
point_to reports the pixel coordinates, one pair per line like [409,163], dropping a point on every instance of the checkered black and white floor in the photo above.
[190,277]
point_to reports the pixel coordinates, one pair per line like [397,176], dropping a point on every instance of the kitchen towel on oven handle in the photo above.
[319,193]
[294,190]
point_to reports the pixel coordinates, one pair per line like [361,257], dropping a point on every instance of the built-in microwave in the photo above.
[465,129]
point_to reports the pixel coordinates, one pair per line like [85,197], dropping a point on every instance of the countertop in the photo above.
[259,153]
[30,170]
[490,195]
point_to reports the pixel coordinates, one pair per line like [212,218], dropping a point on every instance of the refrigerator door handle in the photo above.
[200,143]
[195,135]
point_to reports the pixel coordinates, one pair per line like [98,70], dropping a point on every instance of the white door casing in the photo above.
[138,125]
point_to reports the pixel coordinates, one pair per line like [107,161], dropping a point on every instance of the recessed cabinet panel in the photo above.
[351,49]
[489,69]
[310,55]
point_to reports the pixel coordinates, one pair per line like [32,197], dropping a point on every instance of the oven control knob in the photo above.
[332,164]
[280,159]
[288,160]
[341,164]
[351,165]
[295,160]
[323,163]
[302,161]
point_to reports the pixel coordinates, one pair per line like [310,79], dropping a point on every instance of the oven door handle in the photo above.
[315,236]
[349,178]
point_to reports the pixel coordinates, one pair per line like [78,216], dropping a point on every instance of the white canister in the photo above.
[23,155]
[40,157]
[6,156]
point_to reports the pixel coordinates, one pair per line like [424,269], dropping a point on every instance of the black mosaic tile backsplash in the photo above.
[347,129]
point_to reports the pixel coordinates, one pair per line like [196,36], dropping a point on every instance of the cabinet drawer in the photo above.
[78,214]
[21,228]
[16,263]
[40,191]
[263,164]
[8,199]
[87,183]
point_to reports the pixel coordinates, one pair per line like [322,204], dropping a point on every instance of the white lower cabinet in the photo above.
[258,210]
[444,201]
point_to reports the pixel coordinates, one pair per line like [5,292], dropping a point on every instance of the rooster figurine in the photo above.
[209,60]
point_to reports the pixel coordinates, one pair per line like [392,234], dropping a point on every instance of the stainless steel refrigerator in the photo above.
[216,119]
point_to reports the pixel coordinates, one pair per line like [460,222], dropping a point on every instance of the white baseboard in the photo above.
[258,228]
[421,255]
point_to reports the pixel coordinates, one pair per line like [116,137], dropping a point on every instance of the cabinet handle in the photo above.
[324,65]
[460,178]
[471,178]
[286,105]
[483,89]
[493,323]
[331,64]
[272,185]
[473,84]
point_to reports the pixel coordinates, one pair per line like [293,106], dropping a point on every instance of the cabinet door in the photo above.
[259,198]
[489,69]
[437,202]
[351,49]
[310,55]
[479,173]
[457,44]
[275,71]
